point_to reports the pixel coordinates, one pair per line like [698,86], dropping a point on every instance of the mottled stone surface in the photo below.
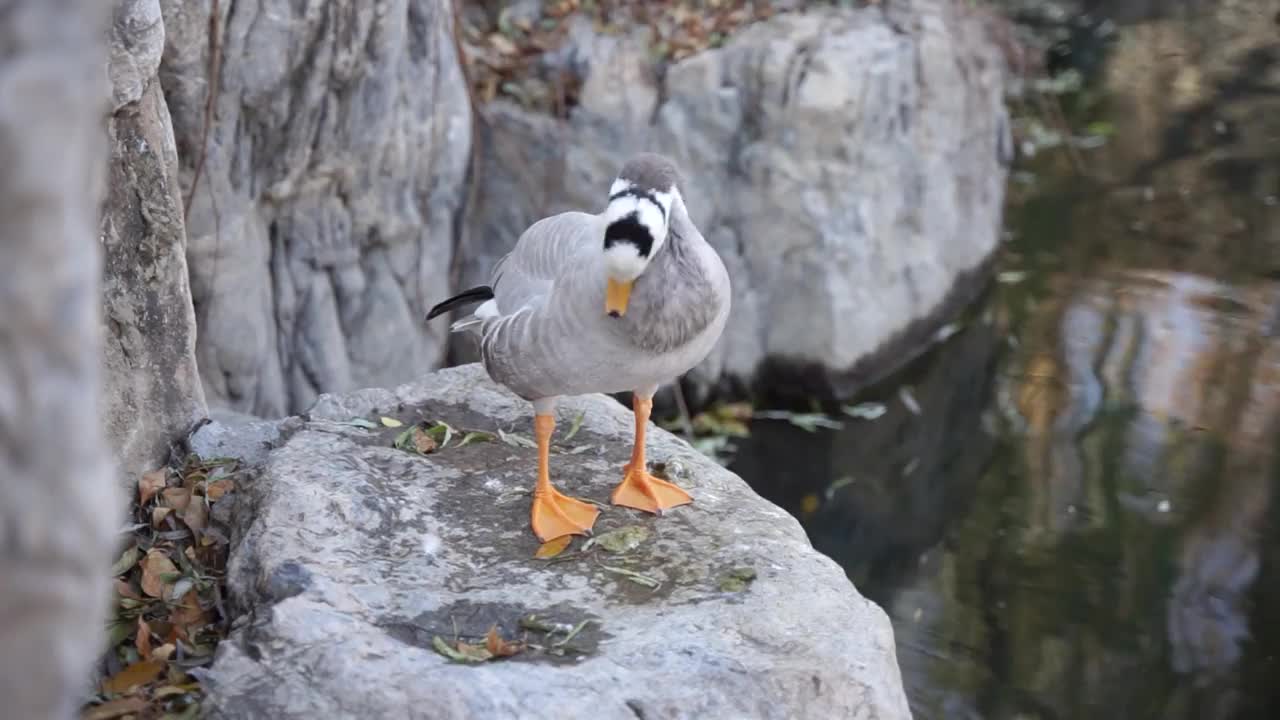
[154,392]
[351,556]
[332,157]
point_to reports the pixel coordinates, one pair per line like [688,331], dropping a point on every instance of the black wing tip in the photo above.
[473,295]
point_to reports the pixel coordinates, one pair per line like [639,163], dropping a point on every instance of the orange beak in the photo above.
[616,295]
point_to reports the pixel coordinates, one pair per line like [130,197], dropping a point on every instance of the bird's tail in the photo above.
[480,294]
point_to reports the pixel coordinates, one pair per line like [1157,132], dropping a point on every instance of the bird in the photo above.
[625,299]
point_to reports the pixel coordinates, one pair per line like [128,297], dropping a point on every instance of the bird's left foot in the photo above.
[642,491]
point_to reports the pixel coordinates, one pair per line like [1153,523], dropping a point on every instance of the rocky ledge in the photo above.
[358,568]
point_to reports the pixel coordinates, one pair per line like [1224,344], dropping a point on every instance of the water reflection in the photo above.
[1079,521]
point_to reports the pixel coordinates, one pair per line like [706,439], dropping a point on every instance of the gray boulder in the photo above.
[328,156]
[848,165]
[153,390]
[351,558]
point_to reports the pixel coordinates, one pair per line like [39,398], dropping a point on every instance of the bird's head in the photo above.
[637,220]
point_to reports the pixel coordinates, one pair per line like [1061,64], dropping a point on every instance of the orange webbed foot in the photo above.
[642,491]
[555,514]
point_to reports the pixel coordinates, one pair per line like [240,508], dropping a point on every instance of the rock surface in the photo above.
[350,557]
[332,157]
[154,392]
[58,503]
[849,166]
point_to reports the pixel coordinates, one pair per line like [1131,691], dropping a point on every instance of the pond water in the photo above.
[1068,508]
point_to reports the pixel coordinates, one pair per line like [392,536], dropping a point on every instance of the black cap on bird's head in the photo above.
[637,219]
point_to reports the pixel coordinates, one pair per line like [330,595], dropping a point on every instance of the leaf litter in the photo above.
[168,587]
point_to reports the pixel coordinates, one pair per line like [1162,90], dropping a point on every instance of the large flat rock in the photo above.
[351,556]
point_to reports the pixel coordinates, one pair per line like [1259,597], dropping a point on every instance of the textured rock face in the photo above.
[351,556]
[331,167]
[57,498]
[848,165]
[153,388]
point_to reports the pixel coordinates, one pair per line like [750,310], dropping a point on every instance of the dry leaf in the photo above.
[163,652]
[139,673]
[391,422]
[187,615]
[499,647]
[158,514]
[196,516]
[114,708]
[150,483]
[126,561]
[155,566]
[553,547]
[177,498]
[502,44]
[423,442]
[142,640]
[218,488]
[126,590]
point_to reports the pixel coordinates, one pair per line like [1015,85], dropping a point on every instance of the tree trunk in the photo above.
[58,503]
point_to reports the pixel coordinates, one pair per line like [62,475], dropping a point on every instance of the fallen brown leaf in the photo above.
[163,652]
[423,442]
[155,566]
[196,516]
[498,647]
[158,514]
[114,708]
[139,673]
[125,589]
[218,488]
[142,640]
[187,615]
[151,483]
[553,547]
[177,498]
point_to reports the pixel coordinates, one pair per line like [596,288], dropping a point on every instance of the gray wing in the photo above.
[544,255]
[535,333]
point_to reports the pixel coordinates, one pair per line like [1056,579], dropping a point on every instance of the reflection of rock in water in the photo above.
[1183,437]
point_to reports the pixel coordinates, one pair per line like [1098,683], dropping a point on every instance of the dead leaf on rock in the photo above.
[158,514]
[126,561]
[114,708]
[157,568]
[151,483]
[187,615]
[553,547]
[423,442]
[196,516]
[163,652]
[456,653]
[218,488]
[499,647]
[142,640]
[177,498]
[126,590]
[139,673]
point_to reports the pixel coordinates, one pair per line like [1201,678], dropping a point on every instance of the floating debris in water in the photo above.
[1163,506]
[865,411]
[909,399]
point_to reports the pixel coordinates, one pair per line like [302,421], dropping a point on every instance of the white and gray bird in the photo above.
[623,300]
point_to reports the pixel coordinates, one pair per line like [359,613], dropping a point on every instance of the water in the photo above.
[1080,520]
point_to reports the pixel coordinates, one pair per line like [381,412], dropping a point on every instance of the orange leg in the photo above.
[638,488]
[553,513]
